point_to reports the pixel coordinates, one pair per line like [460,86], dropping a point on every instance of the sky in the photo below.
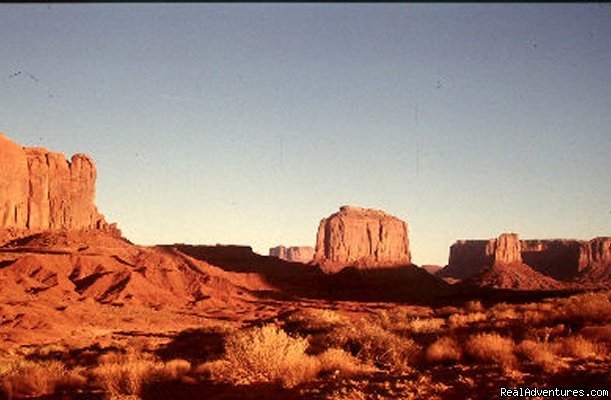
[249,123]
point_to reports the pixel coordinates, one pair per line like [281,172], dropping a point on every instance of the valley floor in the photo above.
[306,349]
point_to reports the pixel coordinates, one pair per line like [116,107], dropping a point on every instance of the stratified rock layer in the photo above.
[363,238]
[41,190]
[301,254]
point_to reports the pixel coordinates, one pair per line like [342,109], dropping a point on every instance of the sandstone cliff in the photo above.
[560,259]
[41,190]
[301,254]
[363,238]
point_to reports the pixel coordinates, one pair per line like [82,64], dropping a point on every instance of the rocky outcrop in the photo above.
[567,258]
[301,254]
[560,259]
[41,190]
[363,238]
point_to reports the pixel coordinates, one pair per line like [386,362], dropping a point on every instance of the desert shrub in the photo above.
[474,306]
[400,319]
[461,320]
[447,311]
[576,346]
[426,325]
[546,333]
[444,349]
[267,354]
[541,354]
[598,333]
[502,312]
[337,360]
[491,347]
[22,379]
[125,375]
[313,320]
[587,307]
[372,343]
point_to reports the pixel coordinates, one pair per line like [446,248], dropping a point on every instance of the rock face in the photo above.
[301,254]
[363,238]
[41,190]
[561,259]
[470,257]
[567,258]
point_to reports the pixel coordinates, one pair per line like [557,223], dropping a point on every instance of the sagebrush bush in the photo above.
[125,375]
[541,354]
[461,320]
[444,349]
[587,308]
[492,347]
[598,333]
[23,378]
[426,325]
[269,354]
[372,343]
[337,360]
[576,346]
[313,320]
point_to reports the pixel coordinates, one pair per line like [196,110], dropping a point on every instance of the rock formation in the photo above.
[41,190]
[560,259]
[567,258]
[301,254]
[363,238]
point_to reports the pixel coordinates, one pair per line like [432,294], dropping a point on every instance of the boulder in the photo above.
[363,238]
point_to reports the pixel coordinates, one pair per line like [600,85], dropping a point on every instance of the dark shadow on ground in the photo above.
[217,391]
[194,345]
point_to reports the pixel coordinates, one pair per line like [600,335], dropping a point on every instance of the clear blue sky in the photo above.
[248,123]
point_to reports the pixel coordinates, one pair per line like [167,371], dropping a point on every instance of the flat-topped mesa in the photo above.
[363,238]
[567,258]
[301,254]
[562,259]
[41,191]
[470,257]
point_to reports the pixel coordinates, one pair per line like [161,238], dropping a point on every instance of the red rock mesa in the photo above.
[560,259]
[41,190]
[301,254]
[361,237]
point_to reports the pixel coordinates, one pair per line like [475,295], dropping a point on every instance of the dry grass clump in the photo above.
[462,320]
[338,361]
[372,343]
[492,347]
[400,319]
[426,325]
[503,312]
[21,379]
[265,354]
[313,320]
[542,355]
[474,306]
[576,346]
[598,333]
[587,307]
[444,349]
[125,375]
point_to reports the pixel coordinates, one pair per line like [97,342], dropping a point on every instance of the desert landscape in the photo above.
[85,313]
[307,201]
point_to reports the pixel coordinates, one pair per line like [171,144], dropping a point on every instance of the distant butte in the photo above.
[363,238]
[511,263]
[301,254]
